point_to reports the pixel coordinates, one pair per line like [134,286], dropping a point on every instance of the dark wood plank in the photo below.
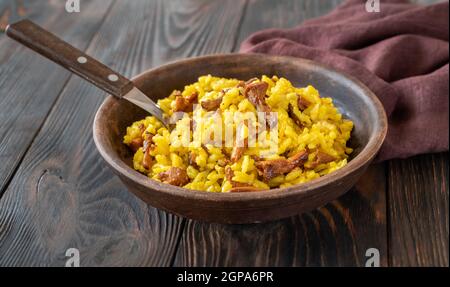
[418,207]
[335,235]
[418,211]
[63,195]
[263,14]
[29,84]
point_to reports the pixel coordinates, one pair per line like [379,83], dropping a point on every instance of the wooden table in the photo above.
[57,193]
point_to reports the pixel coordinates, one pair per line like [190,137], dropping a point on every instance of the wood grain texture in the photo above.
[418,207]
[418,211]
[335,235]
[29,84]
[264,14]
[63,195]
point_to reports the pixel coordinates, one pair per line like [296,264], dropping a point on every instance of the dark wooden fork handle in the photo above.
[57,50]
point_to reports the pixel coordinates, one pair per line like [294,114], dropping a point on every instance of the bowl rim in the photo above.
[366,155]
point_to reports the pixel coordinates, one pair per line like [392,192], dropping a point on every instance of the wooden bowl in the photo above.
[354,100]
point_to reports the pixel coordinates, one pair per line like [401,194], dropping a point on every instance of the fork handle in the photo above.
[69,57]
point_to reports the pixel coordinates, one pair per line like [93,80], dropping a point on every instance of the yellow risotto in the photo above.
[218,142]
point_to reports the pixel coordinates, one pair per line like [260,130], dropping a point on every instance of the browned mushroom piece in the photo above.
[147,160]
[192,158]
[271,120]
[294,117]
[241,84]
[180,104]
[205,148]
[270,169]
[142,128]
[223,162]
[147,147]
[324,157]
[251,81]
[185,104]
[321,158]
[229,174]
[136,144]
[211,105]
[174,176]
[238,151]
[257,158]
[303,103]
[256,93]
[299,158]
[192,125]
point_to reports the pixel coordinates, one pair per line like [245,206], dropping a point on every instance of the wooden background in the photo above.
[57,193]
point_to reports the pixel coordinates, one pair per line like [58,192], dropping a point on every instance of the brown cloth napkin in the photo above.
[400,53]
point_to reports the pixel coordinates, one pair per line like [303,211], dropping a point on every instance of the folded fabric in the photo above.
[400,53]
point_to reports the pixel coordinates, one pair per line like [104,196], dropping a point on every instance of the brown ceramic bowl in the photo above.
[353,99]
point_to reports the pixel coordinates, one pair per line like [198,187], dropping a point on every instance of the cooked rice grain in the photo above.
[319,127]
